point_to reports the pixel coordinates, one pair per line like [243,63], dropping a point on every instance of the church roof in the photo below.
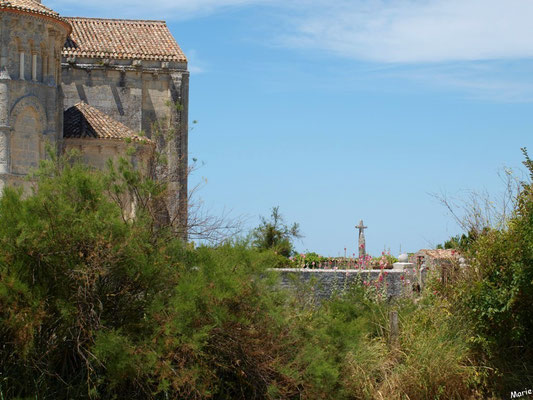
[31,6]
[83,121]
[122,39]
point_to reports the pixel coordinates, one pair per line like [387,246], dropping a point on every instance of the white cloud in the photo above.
[413,31]
[392,31]
[416,40]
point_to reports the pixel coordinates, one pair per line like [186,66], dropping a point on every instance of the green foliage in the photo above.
[97,305]
[314,260]
[497,292]
[460,242]
[309,260]
[346,351]
[274,234]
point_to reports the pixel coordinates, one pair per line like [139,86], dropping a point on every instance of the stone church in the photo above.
[96,85]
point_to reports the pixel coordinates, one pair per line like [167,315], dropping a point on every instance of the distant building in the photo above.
[92,84]
[445,260]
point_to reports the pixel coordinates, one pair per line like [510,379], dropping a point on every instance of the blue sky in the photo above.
[348,110]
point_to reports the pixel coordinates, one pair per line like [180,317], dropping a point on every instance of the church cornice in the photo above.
[39,15]
[123,68]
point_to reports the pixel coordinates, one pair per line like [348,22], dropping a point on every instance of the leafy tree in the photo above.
[460,242]
[274,234]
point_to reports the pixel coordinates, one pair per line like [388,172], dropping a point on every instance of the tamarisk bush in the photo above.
[96,305]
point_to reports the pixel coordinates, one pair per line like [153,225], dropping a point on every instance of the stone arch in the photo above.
[19,55]
[18,44]
[28,121]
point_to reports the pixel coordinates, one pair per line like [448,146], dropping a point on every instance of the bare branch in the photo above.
[478,210]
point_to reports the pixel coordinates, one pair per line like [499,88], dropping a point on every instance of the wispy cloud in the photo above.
[482,48]
[391,31]
[451,44]
[414,31]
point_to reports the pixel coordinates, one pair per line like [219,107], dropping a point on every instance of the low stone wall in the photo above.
[323,283]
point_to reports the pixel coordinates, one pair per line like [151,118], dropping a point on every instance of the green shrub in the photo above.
[96,305]
[496,295]
[346,351]
[93,305]
[274,234]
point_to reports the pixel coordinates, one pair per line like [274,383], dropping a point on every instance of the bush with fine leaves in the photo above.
[94,305]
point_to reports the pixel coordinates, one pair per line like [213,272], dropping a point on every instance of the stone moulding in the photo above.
[24,12]
[122,67]
[30,101]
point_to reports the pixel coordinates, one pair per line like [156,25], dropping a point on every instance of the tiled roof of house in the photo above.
[122,39]
[31,6]
[439,253]
[83,121]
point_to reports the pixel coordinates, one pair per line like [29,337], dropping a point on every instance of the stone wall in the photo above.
[30,103]
[140,94]
[97,152]
[321,284]
[39,39]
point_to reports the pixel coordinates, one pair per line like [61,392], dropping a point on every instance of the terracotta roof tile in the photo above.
[84,121]
[28,5]
[122,39]
[439,253]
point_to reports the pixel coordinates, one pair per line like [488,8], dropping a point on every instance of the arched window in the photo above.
[20,50]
